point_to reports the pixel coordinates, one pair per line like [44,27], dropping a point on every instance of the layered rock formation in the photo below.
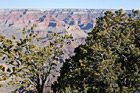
[73,21]
[77,22]
[83,18]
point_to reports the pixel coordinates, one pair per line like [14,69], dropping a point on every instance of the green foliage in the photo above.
[30,65]
[109,61]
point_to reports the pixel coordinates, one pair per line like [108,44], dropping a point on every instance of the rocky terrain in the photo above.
[73,21]
[58,20]
[77,22]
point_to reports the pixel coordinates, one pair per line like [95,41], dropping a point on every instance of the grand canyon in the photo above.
[77,22]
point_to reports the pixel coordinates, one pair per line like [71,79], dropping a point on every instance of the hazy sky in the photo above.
[89,4]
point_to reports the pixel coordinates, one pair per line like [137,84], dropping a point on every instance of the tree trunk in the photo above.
[39,90]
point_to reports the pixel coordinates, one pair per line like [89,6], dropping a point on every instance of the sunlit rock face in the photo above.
[84,18]
[77,22]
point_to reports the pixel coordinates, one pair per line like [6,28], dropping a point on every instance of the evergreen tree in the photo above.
[29,64]
[109,61]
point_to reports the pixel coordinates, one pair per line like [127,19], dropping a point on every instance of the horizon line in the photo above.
[69,8]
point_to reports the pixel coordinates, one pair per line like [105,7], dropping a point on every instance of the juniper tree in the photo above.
[109,61]
[29,64]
